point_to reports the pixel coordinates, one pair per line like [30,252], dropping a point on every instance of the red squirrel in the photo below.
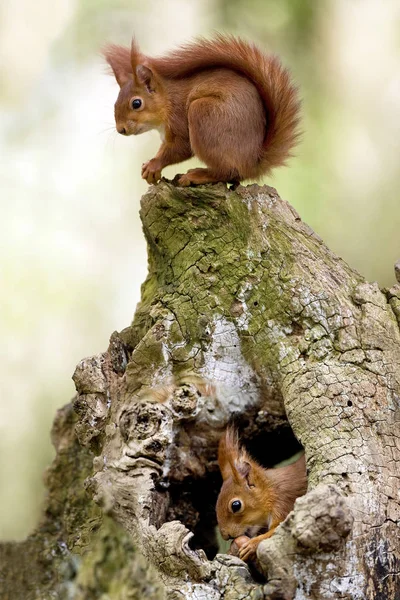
[253,498]
[222,100]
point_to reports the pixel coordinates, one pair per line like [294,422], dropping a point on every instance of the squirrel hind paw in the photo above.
[198,177]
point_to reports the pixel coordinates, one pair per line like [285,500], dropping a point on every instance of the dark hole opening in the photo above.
[271,448]
[193,503]
[349,403]
[193,500]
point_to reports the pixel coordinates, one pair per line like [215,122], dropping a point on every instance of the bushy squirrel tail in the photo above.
[273,82]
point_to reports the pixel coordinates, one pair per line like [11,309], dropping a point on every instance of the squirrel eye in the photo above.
[236,506]
[136,103]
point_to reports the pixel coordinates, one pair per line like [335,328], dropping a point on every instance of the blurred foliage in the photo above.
[73,254]
[297,17]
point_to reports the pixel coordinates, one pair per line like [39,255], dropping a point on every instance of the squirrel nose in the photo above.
[121,130]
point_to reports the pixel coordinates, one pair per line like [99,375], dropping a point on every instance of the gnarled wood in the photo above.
[245,312]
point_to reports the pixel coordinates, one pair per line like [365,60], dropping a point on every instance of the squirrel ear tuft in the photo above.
[233,460]
[223,458]
[145,76]
[119,60]
[135,55]
[228,451]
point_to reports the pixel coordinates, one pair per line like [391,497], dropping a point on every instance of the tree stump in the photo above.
[245,315]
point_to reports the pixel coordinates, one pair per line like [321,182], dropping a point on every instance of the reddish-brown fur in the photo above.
[222,100]
[266,495]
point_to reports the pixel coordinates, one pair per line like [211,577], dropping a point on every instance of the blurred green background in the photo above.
[72,251]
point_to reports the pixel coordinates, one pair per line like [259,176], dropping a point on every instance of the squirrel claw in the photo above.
[184,181]
[151,171]
[248,550]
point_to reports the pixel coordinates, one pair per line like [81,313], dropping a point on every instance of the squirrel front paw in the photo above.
[248,549]
[151,170]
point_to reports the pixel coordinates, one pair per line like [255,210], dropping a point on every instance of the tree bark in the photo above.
[245,314]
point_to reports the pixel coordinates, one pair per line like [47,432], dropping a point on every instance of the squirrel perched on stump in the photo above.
[252,498]
[222,100]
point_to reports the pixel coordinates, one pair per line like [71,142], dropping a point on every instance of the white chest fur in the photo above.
[161,131]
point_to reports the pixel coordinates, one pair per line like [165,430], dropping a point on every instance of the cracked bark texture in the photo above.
[245,313]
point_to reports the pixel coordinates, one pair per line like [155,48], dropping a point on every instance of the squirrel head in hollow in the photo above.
[247,496]
[140,106]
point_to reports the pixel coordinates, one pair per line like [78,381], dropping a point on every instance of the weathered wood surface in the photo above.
[244,312]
